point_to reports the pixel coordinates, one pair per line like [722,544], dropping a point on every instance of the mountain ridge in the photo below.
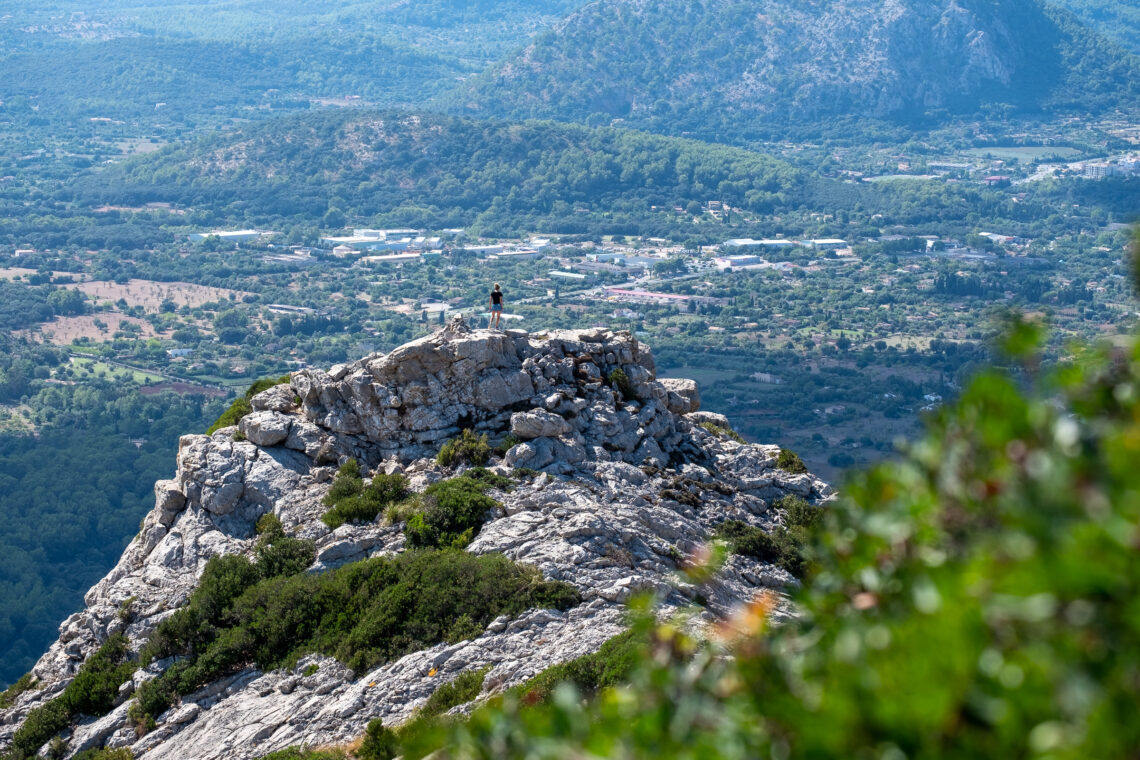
[612,479]
[735,71]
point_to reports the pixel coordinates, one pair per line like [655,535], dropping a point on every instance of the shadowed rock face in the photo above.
[627,488]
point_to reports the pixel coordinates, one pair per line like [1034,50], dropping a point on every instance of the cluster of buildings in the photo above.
[232,236]
[399,240]
[1128,166]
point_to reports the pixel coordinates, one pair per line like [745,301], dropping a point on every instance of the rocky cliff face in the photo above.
[627,488]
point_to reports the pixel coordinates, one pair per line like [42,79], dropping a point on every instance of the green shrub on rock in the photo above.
[621,383]
[451,513]
[790,461]
[379,743]
[26,682]
[723,432]
[352,501]
[508,442]
[364,614]
[123,753]
[610,666]
[300,753]
[285,556]
[778,547]
[468,448]
[458,691]
[91,692]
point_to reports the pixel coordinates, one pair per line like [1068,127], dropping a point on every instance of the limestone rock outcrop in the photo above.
[625,490]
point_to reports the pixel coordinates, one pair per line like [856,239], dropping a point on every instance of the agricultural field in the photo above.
[1026,154]
[83,368]
[152,295]
[89,328]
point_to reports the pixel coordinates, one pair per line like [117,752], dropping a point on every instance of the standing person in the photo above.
[496,307]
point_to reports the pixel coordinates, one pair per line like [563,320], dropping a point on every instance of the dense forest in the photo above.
[436,171]
[1118,20]
[72,495]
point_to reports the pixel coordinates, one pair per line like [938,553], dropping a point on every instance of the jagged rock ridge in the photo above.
[628,488]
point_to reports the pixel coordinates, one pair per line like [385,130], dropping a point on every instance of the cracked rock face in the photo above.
[623,491]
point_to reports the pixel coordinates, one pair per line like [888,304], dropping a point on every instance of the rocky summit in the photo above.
[623,477]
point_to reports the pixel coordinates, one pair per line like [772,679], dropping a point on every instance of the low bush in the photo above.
[299,753]
[489,479]
[348,482]
[40,725]
[621,383]
[790,461]
[609,666]
[780,547]
[123,753]
[351,501]
[468,448]
[458,691]
[723,432]
[508,442]
[798,513]
[241,406]
[27,682]
[91,692]
[285,556]
[269,526]
[452,511]
[363,614]
[379,743]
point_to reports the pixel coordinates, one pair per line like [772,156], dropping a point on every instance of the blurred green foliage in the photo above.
[977,598]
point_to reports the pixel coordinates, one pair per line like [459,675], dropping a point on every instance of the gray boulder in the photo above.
[538,423]
[266,428]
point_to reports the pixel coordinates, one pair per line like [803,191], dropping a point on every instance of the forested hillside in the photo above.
[731,70]
[71,495]
[437,171]
[1119,20]
[71,68]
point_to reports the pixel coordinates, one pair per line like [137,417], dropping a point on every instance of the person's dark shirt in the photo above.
[497,297]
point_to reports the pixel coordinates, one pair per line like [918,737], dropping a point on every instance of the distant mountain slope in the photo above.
[1118,20]
[440,171]
[65,62]
[733,69]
